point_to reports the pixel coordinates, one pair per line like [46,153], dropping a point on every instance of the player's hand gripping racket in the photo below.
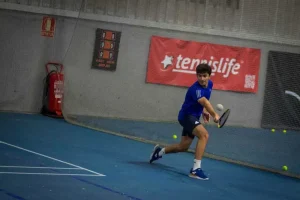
[223,118]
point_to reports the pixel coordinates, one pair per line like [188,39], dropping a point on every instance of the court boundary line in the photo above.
[33,167]
[1,142]
[207,155]
[47,174]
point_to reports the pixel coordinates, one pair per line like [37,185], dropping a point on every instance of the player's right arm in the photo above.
[207,105]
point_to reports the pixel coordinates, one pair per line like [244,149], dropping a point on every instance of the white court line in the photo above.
[52,158]
[48,174]
[28,167]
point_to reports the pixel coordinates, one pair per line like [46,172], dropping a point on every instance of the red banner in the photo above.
[174,62]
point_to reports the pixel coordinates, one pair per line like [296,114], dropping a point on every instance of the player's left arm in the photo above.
[205,113]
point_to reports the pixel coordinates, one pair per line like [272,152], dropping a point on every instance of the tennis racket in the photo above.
[223,118]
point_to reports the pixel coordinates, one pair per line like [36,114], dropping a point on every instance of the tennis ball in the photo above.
[175,136]
[284,168]
[220,107]
[284,131]
[273,130]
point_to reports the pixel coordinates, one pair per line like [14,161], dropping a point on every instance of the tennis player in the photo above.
[196,103]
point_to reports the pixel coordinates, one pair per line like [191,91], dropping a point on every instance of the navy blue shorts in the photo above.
[189,123]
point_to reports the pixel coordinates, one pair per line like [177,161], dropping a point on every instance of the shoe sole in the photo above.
[197,177]
[153,152]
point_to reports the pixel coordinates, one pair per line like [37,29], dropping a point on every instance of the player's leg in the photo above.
[184,145]
[201,133]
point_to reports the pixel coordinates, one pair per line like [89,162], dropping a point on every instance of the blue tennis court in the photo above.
[45,158]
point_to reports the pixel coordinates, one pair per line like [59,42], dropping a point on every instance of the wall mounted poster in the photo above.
[106,49]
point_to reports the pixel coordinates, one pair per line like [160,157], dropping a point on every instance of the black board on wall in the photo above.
[106,49]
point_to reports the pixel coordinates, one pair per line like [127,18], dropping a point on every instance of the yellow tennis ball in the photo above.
[284,131]
[175,136]
[273,130]
[284,168]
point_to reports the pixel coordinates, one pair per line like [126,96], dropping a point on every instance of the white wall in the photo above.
[23,55]
[123,93]
[275,21]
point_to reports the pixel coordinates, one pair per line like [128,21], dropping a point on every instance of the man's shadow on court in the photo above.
[159,166]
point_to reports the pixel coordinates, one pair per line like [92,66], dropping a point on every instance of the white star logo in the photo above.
[167,61]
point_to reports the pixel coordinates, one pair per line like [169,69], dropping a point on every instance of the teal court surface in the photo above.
[46,158]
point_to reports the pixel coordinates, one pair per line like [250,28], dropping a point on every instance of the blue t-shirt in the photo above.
[191,106]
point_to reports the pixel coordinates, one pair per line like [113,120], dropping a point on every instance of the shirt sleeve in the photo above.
[197,93]
[210,89]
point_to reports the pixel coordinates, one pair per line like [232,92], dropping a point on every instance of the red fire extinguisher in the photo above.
[53,91]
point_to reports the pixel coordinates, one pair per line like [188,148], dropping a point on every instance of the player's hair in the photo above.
[203,68]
